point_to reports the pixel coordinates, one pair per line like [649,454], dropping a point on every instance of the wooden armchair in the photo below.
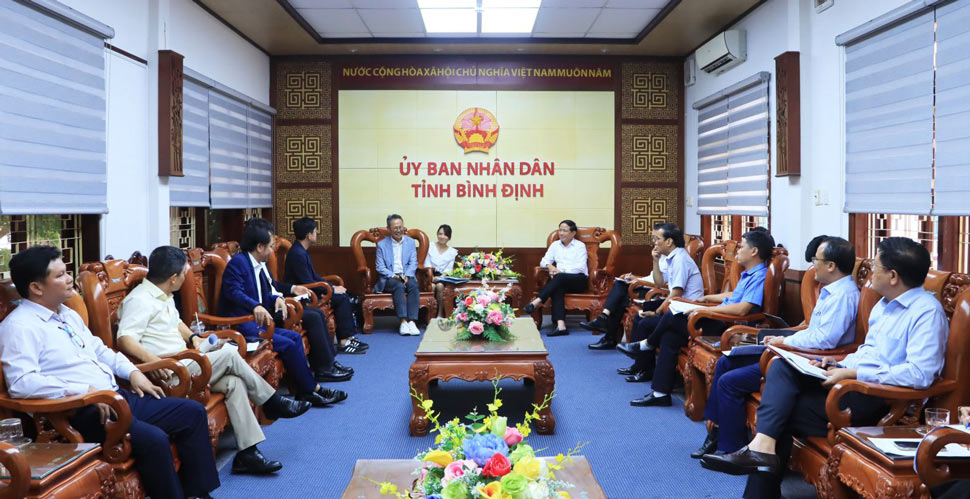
[104,286]
[701,353]
[277,266]
[200,296]
[933,471]
[600,278]
[382,301]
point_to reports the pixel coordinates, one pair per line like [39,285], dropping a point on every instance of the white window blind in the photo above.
[193,188]
[732,149]
[953,110]
[889,119]
[53,151]
[260,132]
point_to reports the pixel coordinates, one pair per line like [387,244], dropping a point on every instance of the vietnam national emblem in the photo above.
[476,130]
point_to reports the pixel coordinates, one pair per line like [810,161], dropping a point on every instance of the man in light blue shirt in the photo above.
[832,324]
[671,334]
[905,346]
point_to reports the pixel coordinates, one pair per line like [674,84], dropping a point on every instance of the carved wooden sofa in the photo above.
[600,278]
[382,301]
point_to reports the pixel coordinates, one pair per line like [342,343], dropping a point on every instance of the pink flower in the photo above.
[457,469]
[463,317]
[495,317]
[483,300]
[512,436]
[476,328]
[492,295]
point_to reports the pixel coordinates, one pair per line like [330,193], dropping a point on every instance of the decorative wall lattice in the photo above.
[303,154]
[650,153]
[303,90]
[644,207]
[651,90]
[316,203]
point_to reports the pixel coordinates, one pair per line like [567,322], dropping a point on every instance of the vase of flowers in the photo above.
[483,314]
[484,265]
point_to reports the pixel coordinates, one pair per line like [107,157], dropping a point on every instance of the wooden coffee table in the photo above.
[452,290]
[398,472]
[441,357]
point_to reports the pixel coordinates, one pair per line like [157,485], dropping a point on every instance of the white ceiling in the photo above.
[402,18]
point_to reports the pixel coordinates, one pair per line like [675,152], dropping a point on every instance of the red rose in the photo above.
[498,465]
[469,301]
[478,268]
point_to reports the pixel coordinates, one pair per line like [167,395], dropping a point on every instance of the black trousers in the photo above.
[343,316]
[153,422]
[618,299]
[671,335]
[793,404]
[643,327]
[322,351]
[557,287]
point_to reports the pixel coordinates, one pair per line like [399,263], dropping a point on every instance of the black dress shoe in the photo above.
[600,324]
[316,399]
[279,406]
[708,447]
[631,350]
[252,461]
[652,401]
[639,377]
[330,393]
[558,332]
[626,371]
[742,462]
[605,343]
[529,308]
[341,367]
[332,374]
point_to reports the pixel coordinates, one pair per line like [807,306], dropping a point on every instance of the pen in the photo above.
[834,364]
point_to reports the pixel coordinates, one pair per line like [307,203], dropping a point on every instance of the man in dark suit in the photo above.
[248,289]
[299,270]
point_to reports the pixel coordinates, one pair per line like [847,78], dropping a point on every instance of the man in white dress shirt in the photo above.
[566,262]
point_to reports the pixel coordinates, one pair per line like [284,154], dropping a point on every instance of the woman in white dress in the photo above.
[441,258]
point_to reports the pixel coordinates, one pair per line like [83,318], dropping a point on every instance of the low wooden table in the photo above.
[441,357]
[857,464]
[398,472]
[452,290]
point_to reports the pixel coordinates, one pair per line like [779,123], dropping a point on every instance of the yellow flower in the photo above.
[426,405]
[388,488]
[528,467]
[492,491]
[564,494]
[439,457]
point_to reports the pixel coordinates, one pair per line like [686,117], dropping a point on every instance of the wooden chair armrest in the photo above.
[541,276]
[294,313]
[18,469]
[602,280]
[656,293]
[929,472]
[213,320]
[116,447]
[199,390]
[838,353]
[425,277]
[181,372]
[738,330]
[699,314]
[839,418]
[365,279]
[318,300]
[334,279]
[233,336]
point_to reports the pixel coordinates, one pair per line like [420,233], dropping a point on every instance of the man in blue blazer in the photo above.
[299,270]
[248,289]
[397,261]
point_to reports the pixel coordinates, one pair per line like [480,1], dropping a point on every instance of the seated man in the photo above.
[671,334]
[48,353]
[566,262]
[832,325]
[905,346]
[149,326]
[248,289]
[672,267]
[299,270]
[397,262]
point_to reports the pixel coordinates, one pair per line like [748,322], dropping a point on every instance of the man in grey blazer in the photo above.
[397,261]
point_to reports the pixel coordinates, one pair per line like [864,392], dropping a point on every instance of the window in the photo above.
[920,228]
[720,228]
[183,228]
[749,222]
[963,245]
[19,232]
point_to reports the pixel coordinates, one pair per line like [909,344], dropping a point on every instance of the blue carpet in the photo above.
[635,452]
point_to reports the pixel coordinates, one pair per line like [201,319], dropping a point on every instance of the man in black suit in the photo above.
[299,270]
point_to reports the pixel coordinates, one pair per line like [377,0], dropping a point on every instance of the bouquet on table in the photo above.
[484,458]
[483,265]
[483,313]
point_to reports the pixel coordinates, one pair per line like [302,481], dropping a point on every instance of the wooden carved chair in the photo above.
[231,247]
[933,470]
[382,301]
[200,298]
[112,473]
[702,351]
[600,278]
[104,286]
[277,266]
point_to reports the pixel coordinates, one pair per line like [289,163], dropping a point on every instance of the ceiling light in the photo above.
[508,20]
[493,4]
[450,20]
[447,4]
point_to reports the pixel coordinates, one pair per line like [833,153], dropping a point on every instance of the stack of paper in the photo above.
[680,307]
[801,364]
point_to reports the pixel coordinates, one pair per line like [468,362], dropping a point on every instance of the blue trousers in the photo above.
[153,422]
[406,297]
[288,345]
[734,378]
[322,351]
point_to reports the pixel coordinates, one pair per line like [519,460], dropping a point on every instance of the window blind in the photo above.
[53,151]
[889,119]
[193,189]
[732,149]
[952,109]
[260,156]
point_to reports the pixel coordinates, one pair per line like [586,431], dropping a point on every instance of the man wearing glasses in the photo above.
[48,353]
[832,325]
[905,346]
[397,262]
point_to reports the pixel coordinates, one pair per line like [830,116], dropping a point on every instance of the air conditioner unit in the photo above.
[723,52]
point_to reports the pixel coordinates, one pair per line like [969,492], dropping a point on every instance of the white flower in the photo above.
[478,308]
[537,490]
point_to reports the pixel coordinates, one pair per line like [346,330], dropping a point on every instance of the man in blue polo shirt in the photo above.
[671,334]
[831,325]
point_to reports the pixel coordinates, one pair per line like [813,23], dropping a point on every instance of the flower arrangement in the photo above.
[484,265]
[483,313]
[485,458]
